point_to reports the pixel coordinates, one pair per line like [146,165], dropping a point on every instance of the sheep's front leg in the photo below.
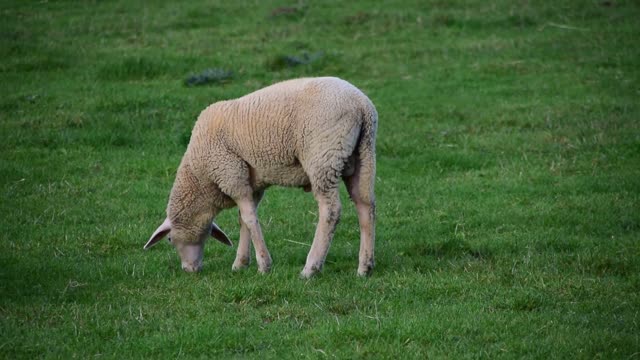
[248,214]
[243,256]
[329,208]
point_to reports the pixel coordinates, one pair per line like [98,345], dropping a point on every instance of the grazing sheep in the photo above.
[307,133]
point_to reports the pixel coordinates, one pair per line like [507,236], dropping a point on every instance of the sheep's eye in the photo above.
[169,238]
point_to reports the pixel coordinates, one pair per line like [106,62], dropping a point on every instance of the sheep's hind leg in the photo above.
[329,208]
[248,215]
[360,188]
[243,256]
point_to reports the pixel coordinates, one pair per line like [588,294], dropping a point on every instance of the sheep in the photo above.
[308,133]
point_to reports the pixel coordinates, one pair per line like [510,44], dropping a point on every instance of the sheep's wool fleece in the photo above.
[300,132]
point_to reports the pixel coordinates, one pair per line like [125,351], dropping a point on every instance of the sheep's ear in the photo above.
[160,233]
[219,235]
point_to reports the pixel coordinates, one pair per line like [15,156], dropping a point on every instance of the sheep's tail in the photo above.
[366,159]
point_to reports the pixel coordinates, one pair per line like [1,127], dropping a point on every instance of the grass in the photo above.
[508,181]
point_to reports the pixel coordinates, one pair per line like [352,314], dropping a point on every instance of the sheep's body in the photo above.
[308,133]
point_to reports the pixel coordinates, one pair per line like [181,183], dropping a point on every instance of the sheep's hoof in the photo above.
[365,270]
[304,274]
[239,265]
[264,262]
[264,267]
[308,272]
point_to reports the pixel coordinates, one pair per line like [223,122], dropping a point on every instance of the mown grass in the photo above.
[508,181]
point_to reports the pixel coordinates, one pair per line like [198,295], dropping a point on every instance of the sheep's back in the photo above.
[278,130]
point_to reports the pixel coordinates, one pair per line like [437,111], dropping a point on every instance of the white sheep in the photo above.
[307,133]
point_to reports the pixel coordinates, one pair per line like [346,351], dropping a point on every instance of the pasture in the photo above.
[508,185]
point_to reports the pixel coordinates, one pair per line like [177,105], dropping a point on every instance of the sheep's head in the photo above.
[189,243]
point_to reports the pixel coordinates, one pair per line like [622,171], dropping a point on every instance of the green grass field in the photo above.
[508,180]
